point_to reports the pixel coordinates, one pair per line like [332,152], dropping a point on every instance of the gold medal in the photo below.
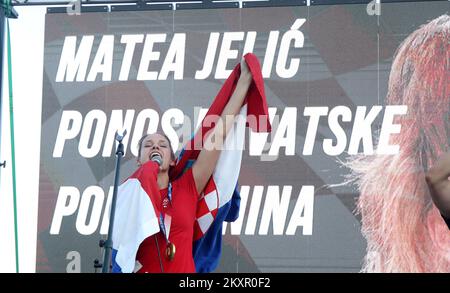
[170,251]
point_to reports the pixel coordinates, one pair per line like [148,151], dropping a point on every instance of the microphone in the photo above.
[156,158]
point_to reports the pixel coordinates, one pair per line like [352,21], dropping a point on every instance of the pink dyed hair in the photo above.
[401,225]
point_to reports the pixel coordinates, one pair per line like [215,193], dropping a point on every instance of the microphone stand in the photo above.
[108,244]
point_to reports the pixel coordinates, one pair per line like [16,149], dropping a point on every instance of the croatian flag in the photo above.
[219,200]
[136,218]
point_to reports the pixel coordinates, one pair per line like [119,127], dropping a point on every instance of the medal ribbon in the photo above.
[165,220]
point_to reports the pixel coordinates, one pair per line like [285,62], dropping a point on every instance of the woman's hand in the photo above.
[245,71]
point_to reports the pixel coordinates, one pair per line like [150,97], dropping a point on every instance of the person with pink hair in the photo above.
[403,228]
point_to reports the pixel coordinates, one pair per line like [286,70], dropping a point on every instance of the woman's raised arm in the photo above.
[209,155]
